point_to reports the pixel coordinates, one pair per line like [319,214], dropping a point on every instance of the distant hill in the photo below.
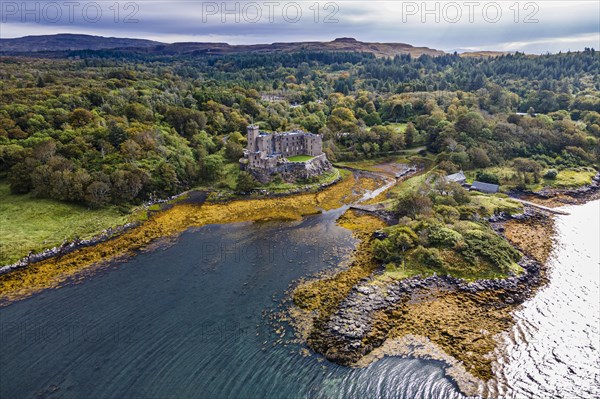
[67,42]
[485,54]
[342,44]
[70,42]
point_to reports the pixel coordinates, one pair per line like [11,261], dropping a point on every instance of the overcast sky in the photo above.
[530,26]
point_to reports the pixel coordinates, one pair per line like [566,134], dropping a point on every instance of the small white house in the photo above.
[459,178]
[487,188]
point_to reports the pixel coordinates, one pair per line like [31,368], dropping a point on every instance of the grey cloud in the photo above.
[372,21]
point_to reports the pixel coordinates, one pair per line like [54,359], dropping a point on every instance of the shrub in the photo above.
[245,182]
[392,248]
[443,236]
[488,177]
[490,247]
[467,212]
[429,256]
[448,213]
[412,204]
[448,167]
[551,174]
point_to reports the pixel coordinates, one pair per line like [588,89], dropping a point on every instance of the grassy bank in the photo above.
[169,223]
[278,187]
[508,178]
[300,158]
[381,164]
[34,224]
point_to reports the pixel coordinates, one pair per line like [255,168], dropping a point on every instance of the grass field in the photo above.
[399,127]
[495,202]
[28,223]
[371,164]
[570,178]
[281,187]
[404,156]
[566,178]
[300,158]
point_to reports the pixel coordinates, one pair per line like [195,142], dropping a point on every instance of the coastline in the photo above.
[396,322]
[168,224]
[189,196]
[376,310]
[434,296]
[555,197]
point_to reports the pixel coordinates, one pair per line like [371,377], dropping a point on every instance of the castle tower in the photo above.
[252,131]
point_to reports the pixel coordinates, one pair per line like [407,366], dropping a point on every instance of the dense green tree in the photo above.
[152,125]
[409,134]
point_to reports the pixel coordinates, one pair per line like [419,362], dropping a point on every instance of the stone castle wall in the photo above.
[291,171]
[266,154]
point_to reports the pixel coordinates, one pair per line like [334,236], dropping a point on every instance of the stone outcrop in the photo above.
[343,337]
[350,332]
[580,192]
[291,171]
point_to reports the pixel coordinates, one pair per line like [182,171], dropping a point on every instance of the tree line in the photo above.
[120,127]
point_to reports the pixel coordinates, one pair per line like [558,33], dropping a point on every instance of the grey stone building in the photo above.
[267,154]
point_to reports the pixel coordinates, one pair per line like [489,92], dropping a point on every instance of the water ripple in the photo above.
[552,349]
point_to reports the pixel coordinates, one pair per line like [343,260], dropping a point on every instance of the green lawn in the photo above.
[571,178]
[300,158]
[403,156]
[28,223]
[370,165]
[566,178]
[281,187]
[495,202]
[400,127]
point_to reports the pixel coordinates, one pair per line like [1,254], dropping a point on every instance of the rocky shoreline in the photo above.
[577,193]
[68,247]
[461,318]
[341,338]
[193,196]
[560,196]
[105,235]
[168,222]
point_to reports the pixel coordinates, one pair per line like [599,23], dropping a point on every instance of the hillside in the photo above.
[68,42]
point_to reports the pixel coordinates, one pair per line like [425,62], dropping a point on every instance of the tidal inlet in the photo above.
[293,200]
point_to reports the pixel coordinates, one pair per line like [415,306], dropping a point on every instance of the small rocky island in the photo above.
[293,155]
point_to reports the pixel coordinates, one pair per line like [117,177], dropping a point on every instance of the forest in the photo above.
[120,127]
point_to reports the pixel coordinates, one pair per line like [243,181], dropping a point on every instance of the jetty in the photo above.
[542,207]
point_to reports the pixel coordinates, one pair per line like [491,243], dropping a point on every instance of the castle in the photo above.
[267,154]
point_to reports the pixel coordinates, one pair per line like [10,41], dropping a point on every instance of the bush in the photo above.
[467,212]
[392,248]
[487,177]
[448,166]
[245,182]
[412,203]
[444,237]
[429,256]
[551,174]
[490,247]
[448,213]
